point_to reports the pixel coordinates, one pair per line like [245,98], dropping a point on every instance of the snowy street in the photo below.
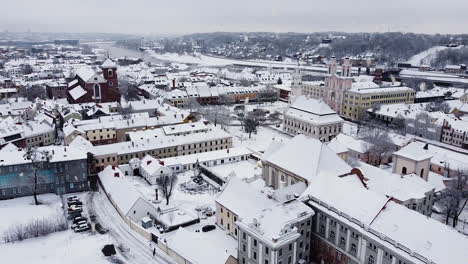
[137,249]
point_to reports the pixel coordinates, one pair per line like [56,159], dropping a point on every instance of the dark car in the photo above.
[208,228]
[79,218]
[74,202]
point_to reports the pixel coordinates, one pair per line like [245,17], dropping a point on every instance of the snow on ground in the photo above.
[259,141]
[23,210]
[247,169]
[425,57]
[61,247]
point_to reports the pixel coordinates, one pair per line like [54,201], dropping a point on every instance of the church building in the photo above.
[336,85]
[90,86]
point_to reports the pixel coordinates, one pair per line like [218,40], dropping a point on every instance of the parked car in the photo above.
[79,218]
[73,215]
[81,228]
[80,223]
[74,202]
[74,197]
[74,207]
[208,228]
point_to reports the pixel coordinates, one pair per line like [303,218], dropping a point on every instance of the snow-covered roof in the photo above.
[108,63]
[85,73]
[237,197]
[402,188]
[351,143]
[185,128]
[415,151]
[206,156]
[121,191]
[311,158]
[77,92]
[199,249]
[150,165]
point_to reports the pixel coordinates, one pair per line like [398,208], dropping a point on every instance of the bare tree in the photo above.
[380,143]
[192,104]
[126,111]
[438,106]
[454,199]
[33,92]
[128,89]
[166,184]
[37,158]
[250,124]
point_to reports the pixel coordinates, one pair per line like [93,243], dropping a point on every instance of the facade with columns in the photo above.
[336,85]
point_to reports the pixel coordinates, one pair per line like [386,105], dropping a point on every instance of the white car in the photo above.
[81,228]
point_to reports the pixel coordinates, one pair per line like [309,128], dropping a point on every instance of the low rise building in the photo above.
[363,96]
[64,170]
[312,118]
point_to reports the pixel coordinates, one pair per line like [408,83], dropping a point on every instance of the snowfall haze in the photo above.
[180,17]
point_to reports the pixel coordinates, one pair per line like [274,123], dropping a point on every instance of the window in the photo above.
[110,73]
[353,249]
[97,90]
[255,242]
[370,260]
[280,252]
[244,236]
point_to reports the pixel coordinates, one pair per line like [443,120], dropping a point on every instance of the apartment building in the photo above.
[313,89]
[365,95]
[66,171]
[164,147]
[342,233]
[268,231]
[312,118]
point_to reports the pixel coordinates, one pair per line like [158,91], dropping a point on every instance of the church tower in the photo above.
[336,85]
[296,85]
[110,93]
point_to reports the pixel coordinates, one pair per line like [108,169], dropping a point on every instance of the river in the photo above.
[118,52]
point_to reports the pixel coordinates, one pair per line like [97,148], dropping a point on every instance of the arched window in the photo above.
[97,90]
[403,170]
[110,72]
[422,173]
[370,260]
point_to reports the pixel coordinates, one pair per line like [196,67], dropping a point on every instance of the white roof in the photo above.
[150,164]
[414,151]
[108,63]
[85,73]
[206,156]
[184,128]
[121,191]
[350,143]
[425,236]
[77,92]
[402,188]
[197,248]
[237,196]
[365,90]
[311,158]
[312,111]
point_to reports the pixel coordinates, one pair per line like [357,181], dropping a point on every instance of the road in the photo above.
[137,249]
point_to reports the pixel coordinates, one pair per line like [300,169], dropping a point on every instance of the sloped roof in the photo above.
[307,158]
[85,73]
[77,92]
[108,63]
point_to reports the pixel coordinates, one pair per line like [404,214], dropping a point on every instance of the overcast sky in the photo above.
[187,16]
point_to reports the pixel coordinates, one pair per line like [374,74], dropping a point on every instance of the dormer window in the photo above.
[97,90]
[110,72]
